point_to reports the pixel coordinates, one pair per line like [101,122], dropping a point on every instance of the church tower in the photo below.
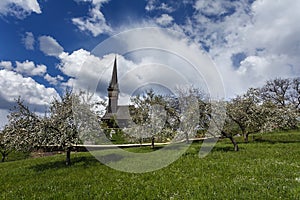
[116,116]
[113,91]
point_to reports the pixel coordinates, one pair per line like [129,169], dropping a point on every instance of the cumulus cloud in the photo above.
[29,41]
[53,80]
[13,85]
[89,65]
[214,7]
[150,5]
[95,22]
[30,69]
[164,20]
[27,68]
[91,73]
[72,63]
[3,118]
[86,70]
[265,32]
[153,5]
[6,65]
[19,9]
[145,68]
[278,34]
[49,46]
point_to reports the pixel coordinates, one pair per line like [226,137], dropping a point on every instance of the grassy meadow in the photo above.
[266,168]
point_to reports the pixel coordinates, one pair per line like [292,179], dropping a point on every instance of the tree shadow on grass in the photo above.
[111,158]
[225,149]
[144,149]
[80,161]
[261,140]
[177,146]
[157,148]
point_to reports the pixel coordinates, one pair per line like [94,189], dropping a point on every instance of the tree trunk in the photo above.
[68,156]
[246,137]
[152,142]
[3,157]
[187,138]
[235,145]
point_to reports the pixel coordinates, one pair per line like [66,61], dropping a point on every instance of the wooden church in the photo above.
[116,116]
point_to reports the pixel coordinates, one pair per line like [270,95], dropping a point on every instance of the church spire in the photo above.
[113,91]
[114,79]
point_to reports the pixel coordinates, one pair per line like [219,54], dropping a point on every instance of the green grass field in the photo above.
[266,168]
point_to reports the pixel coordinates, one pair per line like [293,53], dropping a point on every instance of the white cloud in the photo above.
[72,63]
[150,5]
[164,20]
[93,74]
[156,5]
[278,33]
[30,69]
[19,8]
[3,118]
[29,41]
[95,22]
[142,68]
[86,69]
[27,68]
[266,32]
[6,65]
[53,80]
[166,7]
[50,46]
[213,7]
[13,85]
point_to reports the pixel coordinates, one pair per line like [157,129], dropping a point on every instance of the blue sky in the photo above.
[43,43]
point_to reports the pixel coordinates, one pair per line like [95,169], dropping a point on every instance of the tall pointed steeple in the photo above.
[113,91]
[114,79]
[116,116]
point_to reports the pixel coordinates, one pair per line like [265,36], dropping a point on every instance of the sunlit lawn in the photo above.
[266,168]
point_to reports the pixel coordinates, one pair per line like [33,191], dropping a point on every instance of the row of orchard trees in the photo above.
[26,131]
[275,106]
